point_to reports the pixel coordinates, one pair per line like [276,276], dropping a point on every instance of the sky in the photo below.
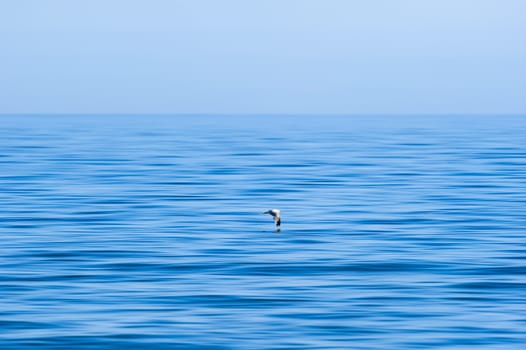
[263,56]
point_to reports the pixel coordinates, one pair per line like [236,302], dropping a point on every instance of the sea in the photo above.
[148,232]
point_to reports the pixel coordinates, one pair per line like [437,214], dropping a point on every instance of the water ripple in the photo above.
[149,234]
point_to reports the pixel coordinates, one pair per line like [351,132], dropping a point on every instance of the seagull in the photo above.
[275,215]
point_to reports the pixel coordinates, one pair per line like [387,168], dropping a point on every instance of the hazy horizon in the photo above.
[276,114]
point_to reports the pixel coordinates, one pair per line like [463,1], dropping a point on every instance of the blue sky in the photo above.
[263,56]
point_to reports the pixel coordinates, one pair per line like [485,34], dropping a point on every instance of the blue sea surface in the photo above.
[147,232]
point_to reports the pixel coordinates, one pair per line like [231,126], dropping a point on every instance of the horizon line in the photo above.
[423,114]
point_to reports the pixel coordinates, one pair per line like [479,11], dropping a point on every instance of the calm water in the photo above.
[146,232]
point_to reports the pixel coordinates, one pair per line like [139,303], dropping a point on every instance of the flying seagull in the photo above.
[275,215]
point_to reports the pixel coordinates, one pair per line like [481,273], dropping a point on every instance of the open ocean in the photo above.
[147,232]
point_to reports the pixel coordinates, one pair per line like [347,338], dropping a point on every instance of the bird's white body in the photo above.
[275,214]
